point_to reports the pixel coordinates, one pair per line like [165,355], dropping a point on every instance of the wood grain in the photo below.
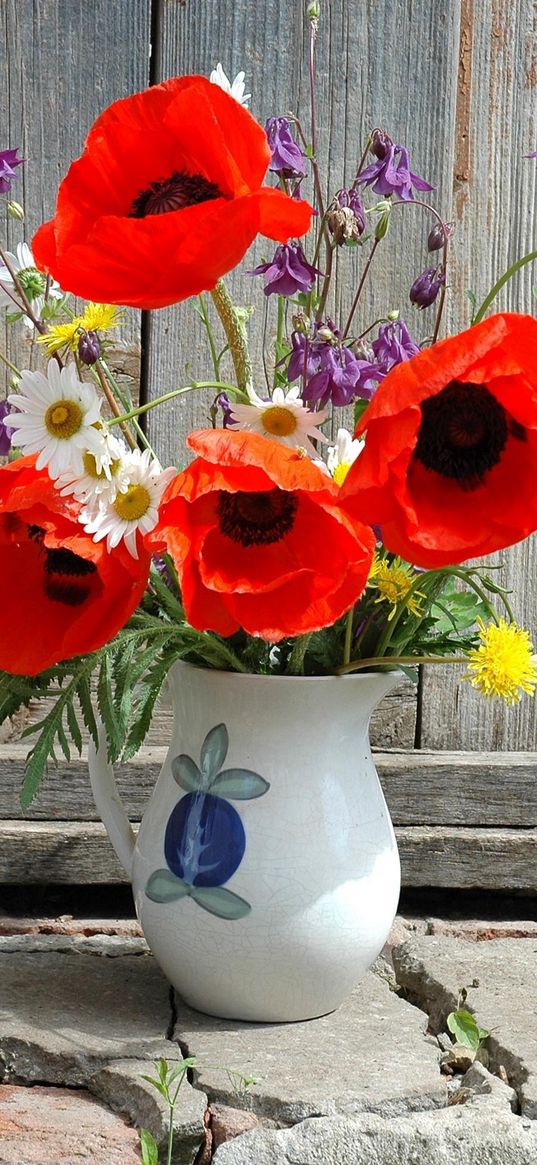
[79,852]
[421,788]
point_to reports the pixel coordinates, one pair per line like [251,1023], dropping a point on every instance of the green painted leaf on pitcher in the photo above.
[239,784]
[214,751]
[217,900]
[187,774]
[163,886]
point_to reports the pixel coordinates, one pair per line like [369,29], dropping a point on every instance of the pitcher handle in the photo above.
[107,801]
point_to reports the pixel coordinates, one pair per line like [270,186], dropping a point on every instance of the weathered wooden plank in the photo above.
[468,859]
[392,723]
[64,62]
[494,208]
[421,788]
[75,852]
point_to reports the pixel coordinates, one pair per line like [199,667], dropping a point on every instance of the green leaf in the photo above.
[163,886]
[221,902]
[186,773]
[239,785]
[149,1148]
[463,1026]
[214,751]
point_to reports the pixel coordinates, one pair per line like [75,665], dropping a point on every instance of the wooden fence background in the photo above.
[456,83]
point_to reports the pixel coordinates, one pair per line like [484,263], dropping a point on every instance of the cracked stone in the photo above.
[121,1087]
[479,1081]
[462,1135]
[500,978]
[371,1054]
[56,1126]
[64,1016]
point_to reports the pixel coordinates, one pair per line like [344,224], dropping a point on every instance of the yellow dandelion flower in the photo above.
[61,336]
[393,581]
[503,664]
[101,317]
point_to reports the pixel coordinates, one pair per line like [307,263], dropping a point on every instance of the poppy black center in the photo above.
[64,575]
[463,433]
[174,193]
[255,519]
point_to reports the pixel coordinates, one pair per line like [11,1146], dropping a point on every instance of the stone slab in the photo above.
[122,1088]
[463,1135]
[57,1126]
[500,977]
[372,1054]
[64,1015]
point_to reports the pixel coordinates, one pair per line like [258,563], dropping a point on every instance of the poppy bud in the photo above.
[439,234]
[425,288]
[89,347]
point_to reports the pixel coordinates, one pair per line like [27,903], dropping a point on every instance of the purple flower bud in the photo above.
[381,144]
[8,161]
[288,272]
[89,347]
[5,431]
[438,235]
[287,157]
[223,402]
[425,288]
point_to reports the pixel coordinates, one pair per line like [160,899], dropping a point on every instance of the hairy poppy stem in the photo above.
[512,270]
[115,408]
[235,329]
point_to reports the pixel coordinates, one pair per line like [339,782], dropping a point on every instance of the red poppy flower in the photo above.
[165,198]
[450,460]
[259,539]
[61,594]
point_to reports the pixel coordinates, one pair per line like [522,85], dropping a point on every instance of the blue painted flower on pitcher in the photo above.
[205,841]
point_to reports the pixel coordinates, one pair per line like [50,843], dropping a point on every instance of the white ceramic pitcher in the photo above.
[265,872]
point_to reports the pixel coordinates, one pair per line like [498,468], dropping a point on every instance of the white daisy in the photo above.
[285,418]
[134,508]
[235,87]
[104,474]
[341,456]
[58,417]
[33,281]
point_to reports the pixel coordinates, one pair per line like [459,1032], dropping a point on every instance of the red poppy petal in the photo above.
[206,610]
[280,217]
[285,467]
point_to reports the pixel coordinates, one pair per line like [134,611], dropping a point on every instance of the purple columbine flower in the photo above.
[288,272]
[89,348]
[223,402]
[332,371]
[5,431]
[287,157]
[391,173]
[393,345]
[8,161]
[425,288]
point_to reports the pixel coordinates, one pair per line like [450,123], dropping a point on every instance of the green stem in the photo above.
[360,288]
[210,336]
[10,365]
[404,660]
[512,270]
[125,404]
[170,1134]
[236,334]
[295,665]
[151,404]
[279,335]
[348,636]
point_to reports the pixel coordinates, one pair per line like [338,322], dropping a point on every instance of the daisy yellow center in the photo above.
[279,421]
[63,419]
[503,664]
[340,472]
[90,467]
[133,503]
